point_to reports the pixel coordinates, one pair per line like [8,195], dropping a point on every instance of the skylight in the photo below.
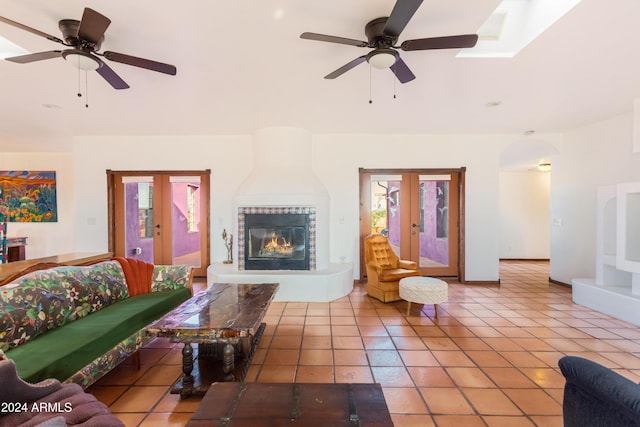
[514,24]
[9,49]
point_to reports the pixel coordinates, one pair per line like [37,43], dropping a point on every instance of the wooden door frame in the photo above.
[205,238]
[365,209]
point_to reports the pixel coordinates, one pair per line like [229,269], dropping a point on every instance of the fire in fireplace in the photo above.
[277,239]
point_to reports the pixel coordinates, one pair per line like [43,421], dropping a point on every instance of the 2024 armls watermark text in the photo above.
[13,407]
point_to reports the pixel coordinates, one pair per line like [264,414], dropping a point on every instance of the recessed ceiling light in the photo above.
[492,104]
[52,106]
[529,132]
[278,14]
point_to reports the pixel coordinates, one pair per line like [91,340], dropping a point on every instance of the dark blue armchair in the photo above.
[596,396]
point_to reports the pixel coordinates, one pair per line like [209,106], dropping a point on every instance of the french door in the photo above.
[160,217]
[420,212]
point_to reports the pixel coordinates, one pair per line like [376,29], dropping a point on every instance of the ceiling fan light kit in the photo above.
[382,58]
[383,34]
[84,39]
[81,60]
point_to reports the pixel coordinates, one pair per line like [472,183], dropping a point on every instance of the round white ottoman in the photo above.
[424,290]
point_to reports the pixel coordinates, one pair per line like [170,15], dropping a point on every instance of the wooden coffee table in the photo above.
[299,404]
[226,323]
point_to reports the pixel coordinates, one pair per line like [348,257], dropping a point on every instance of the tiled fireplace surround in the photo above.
[282,180]
[282,210]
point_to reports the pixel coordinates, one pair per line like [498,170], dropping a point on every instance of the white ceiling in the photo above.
[240,69]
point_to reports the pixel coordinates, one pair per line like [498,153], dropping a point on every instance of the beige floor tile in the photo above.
[508,421]
[173,403]
[166,419]
[107,394]
[139,399]
[316,342]
[131,419]
[452,358]
[509,378]
[547,421]
[286,341]
[469,378]
[282,357]
[446,401]
[276,374]
[490,402]
[412,420]
[160,375]
[430,376]
[347,342]
[314,374]
[390,376]
[418,358]
[353,374]
[499,346]
[488,359]
[404,400]
[350,357]
[534,401]
[316,357]
[458,421]
[545,377]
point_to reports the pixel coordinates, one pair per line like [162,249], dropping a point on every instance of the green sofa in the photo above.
[75,324]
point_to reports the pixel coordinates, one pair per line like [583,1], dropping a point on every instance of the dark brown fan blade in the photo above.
[92,26]
[110,76]
[141,62]
[400,16]
[333,39]
[31,30]
[447,42]
[33,57]
[402,71]
[346,67]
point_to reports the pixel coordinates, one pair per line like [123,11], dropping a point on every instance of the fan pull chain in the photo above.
[79,84]
[394,81]
[86,89]
[370,85]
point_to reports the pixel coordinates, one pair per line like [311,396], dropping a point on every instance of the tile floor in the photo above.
[489,360]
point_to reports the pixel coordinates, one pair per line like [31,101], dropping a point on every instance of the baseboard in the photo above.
[525,259]
[483,282]
[557,282]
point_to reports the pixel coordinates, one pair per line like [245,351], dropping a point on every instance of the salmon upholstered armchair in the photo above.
[385,269]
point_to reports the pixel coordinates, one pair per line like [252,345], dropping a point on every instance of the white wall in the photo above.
[336,159]
[595,155]
[47,238]
[524,215]
[228,157]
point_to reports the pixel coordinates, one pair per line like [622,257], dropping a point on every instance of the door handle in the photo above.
[414,225]
[157,225]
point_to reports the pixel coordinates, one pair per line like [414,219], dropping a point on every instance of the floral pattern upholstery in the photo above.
[105,363]
[170,277]
[46,299]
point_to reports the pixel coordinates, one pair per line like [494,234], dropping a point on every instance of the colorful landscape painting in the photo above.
[28,196]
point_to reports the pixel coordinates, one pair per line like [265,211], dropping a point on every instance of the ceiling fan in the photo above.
[382,35]
[84,39]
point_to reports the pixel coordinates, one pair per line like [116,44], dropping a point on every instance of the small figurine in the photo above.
[228,243]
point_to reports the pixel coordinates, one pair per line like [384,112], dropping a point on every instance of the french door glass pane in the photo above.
[434,220]
[185,220]
[139,221]
[385,208]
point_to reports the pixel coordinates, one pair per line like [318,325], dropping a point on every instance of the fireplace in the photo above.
[276,238]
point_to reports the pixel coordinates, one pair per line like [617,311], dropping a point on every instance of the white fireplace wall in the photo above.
[283,176]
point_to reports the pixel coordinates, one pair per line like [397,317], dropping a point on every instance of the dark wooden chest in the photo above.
[236,404]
